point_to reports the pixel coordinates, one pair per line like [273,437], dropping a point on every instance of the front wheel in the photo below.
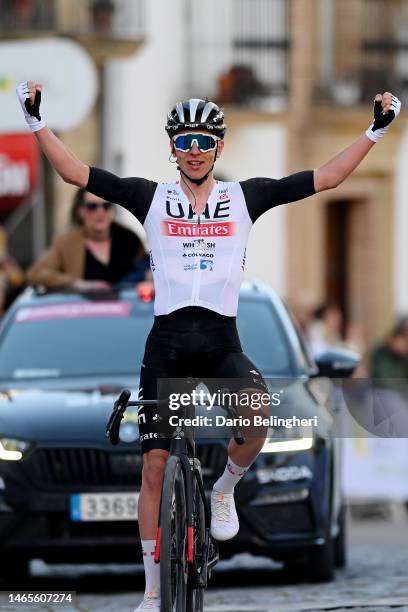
[173,542]
[195,600]
[195,596]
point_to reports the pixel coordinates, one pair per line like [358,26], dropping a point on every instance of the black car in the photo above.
[67,495]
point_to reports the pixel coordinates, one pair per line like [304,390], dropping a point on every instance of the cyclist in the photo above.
[197,228]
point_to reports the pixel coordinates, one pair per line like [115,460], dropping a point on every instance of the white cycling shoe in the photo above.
[150,602]
[224,519]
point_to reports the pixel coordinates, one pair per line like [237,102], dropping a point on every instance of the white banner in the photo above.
[62,66]
[376,468]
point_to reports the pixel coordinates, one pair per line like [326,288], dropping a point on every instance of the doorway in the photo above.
[337,240]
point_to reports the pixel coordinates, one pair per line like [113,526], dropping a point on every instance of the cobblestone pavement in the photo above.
[376,579]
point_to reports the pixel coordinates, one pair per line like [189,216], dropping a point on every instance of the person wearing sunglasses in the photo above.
[95,253]
[197,228]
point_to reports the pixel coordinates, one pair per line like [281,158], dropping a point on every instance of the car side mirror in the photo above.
[337,363]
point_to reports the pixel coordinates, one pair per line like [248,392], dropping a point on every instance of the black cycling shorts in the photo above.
[191,342]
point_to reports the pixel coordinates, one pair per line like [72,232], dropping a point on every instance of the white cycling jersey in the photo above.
[198,261]
[197,264]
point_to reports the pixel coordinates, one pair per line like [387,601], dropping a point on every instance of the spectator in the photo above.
[325,328]
[11,275]
[389,360]
[389,373]
[95,253]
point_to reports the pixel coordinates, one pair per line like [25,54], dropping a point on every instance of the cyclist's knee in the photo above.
[153,467]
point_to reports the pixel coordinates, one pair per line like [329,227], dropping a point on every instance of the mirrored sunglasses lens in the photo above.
[181,143]
[204,142]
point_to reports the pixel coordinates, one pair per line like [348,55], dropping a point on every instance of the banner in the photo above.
[64,68]
[19,170]
[376,468]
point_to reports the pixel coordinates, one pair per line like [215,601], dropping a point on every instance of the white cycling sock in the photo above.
[231,476]
[152,569]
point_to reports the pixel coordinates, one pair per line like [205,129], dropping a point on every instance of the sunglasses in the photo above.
[93,206]
[204,142]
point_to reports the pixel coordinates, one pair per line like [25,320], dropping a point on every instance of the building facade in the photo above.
[296,79]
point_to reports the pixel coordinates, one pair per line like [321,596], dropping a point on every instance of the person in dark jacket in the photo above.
[389,360]
[95,253]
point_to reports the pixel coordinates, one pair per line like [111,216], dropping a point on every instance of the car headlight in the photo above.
[282,440]
[12,450]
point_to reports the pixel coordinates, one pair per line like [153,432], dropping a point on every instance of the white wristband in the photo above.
[34,124]
[378,134]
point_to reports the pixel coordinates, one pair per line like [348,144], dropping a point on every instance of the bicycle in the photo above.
[184,547]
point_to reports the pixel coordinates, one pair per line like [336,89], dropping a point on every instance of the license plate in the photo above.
[104,506]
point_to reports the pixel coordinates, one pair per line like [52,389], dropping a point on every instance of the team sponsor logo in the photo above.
[149,436]
[199,243]
[152,264]
[195,254]
[141,417]
[243,261]
[206,264]
[178,211]
[184,229]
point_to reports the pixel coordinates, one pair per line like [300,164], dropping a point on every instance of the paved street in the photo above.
[376,579]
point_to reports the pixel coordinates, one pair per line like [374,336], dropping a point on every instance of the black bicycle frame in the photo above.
[183,446]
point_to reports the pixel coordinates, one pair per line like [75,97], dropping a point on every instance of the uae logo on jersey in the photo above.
[182,229]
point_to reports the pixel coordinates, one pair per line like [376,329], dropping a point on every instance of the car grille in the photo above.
[62,467]
[282,518]
[73,467]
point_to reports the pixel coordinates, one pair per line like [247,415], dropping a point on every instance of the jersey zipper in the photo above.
[196,279]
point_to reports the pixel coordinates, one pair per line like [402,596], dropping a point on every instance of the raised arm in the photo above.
[331,174]
[70,169]
[134,194]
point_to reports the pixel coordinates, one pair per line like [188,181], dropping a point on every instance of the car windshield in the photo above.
[263,338]
[107,339]
[75,339]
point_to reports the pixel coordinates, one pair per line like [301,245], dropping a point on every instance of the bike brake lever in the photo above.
[119,408]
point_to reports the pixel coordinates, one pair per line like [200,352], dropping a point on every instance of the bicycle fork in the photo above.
[187,470]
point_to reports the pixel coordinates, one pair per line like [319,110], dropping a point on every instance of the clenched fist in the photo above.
[29,94]
[386,108]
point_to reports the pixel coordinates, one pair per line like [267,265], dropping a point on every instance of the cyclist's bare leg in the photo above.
[224,519]
[245,454]
[149,499]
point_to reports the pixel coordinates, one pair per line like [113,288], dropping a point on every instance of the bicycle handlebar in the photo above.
[119,409]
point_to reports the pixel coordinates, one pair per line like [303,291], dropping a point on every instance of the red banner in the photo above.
[19,169]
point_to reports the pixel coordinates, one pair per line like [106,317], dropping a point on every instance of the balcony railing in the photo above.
[115,19]
[371,53]
[259,56]
[383,66]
